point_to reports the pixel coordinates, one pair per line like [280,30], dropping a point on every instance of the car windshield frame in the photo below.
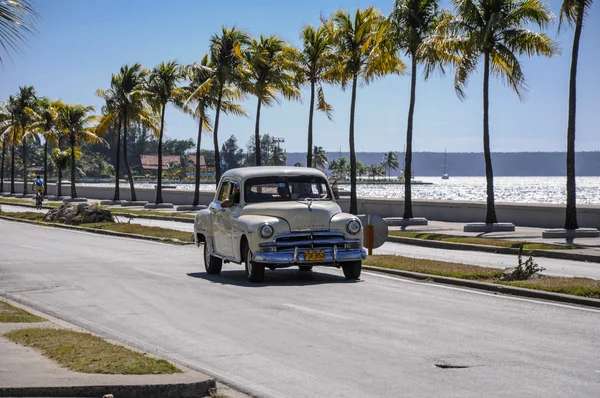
[286,189]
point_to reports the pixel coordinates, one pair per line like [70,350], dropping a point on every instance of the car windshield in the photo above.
[290,188]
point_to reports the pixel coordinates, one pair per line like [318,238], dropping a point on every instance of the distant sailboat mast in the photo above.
[445,175]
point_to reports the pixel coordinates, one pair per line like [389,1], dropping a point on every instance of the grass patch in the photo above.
[433,267]
[85,353]
[25,215]
[583,287]
[137,229]
[151,213]
[30,202]
[145,230]
[574,286]
[10,314]
[479,241]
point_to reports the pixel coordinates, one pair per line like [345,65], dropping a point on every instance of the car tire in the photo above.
[352,269]
[305,267]
[212,264]
[255,272]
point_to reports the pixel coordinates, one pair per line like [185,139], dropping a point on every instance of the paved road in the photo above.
[554,267]
[300,335]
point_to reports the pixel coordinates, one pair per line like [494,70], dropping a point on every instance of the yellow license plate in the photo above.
[314,255]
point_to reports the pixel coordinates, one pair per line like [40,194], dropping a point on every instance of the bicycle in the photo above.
[38,200]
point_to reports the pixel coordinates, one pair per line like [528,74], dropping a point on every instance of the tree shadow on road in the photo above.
[279,277]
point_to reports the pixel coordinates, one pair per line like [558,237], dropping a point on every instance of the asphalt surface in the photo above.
[554,267]
[303,334]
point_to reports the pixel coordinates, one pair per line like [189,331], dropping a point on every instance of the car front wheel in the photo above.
[352,269]
[212,264]
[255,272]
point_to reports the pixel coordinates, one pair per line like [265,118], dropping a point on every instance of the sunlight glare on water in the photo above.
[506,189]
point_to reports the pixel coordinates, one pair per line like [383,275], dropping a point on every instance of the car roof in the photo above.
[265,171]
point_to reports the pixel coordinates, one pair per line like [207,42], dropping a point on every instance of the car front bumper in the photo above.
[332,257]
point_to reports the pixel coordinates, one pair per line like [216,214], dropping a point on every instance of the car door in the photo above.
[216,211]
[227,216]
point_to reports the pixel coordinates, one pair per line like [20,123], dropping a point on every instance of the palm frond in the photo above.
[322,105]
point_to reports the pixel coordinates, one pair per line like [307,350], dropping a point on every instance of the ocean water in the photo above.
[506,189]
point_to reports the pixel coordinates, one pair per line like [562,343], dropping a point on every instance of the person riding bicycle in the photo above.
[38,187]
[38,184]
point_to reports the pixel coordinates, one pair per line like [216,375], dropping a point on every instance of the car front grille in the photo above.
[310,240]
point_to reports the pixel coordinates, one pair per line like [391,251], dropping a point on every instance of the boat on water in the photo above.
[445,176]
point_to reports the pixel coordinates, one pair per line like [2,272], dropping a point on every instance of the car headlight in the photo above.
[266,231]
[353,226]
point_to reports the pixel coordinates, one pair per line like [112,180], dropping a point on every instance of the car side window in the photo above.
[224,191]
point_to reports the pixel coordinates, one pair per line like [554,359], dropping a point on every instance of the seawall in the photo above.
[520,214]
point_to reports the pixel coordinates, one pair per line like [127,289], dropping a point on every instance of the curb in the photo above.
[26,205]
[492,287]
[100,231]
[198,389]
[563,255]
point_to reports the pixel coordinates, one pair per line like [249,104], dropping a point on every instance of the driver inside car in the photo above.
[233,198]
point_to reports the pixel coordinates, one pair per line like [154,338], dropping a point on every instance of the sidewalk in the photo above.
[26,372]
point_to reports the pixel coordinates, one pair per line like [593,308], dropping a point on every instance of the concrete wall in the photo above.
[521,214]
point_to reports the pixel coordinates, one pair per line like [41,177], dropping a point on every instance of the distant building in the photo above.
[150,163]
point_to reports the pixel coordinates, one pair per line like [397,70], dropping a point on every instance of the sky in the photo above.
[80,43]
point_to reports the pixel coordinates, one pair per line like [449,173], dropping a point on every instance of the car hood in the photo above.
[300,215]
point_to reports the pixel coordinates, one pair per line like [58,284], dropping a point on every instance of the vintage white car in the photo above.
[278,217]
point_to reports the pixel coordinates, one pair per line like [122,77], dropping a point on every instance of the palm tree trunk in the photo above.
[46,166]
[490,217]
[197,186]
[257,136]
[571,210]
[73,189]
[408,213]
[216,137]
[24,153]
[12,162]
[59,186]
[2,166]
[129,176]
[353,199]
[159,176]
[117,195]
[309,154]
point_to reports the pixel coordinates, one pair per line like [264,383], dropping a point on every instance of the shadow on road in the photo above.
[279,277]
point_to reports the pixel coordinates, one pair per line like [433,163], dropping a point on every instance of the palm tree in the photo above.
[498,30]
[17,18]
[162,88]
[360,168]
[319,158]
[572,12]
[11,133]
[125,102]
[111,118]
[315,61]
[361,55]
[205,96]
[26,100]
[226,58]
[5,132]
[413,23]
[270,62]
[130,87]
[77,122]
[45,122]
[61,160]
[390,162]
